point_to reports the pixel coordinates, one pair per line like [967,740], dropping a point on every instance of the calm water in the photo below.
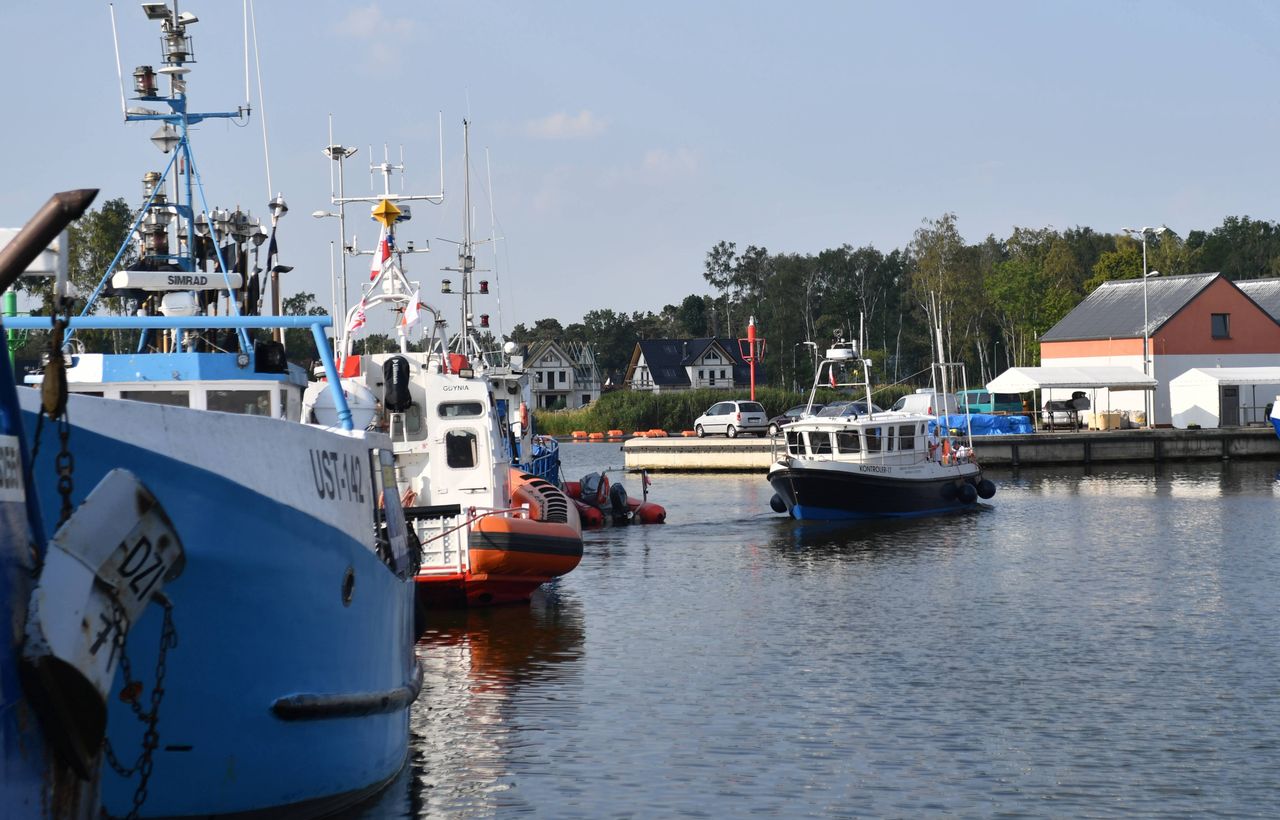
[1092,644]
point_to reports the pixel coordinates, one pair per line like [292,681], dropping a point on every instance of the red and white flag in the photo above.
[381,255]
[357,319]
[411,310]
[833,375]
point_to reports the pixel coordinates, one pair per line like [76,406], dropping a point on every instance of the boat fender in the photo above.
[777,504]
[986,488]
[966,493]
[102,568]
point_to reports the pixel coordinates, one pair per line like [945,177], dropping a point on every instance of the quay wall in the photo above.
[1084,447]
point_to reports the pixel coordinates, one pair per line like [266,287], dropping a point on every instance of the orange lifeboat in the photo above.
[594,497]
[513,552]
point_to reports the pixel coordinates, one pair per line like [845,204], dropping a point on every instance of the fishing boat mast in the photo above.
[176,232]
[465,340]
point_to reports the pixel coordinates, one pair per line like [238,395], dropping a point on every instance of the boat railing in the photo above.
[182,324]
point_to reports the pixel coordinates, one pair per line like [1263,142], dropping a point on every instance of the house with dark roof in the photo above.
[1201,320]
[685,364]
[565,376]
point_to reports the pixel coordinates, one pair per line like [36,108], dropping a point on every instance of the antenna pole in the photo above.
[245,17]
[493,237]
[115,38]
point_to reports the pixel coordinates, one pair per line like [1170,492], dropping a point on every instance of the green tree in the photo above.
[299,343]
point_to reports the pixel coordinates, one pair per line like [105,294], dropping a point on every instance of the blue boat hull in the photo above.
[279,691]
[823,495]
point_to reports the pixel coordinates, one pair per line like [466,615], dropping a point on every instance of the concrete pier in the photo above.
[1084,447]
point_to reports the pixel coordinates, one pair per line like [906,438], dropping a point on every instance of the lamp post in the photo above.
[1146,334]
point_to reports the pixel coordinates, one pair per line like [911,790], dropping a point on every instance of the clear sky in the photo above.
[627,139]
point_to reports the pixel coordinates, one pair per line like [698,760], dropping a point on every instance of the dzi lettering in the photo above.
[338,476]
[142,567]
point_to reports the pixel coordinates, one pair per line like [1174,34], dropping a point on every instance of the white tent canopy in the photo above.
[1027,379]
[1229,375]
[1197,397]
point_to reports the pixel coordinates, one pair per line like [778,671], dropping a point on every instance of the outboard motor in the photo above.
[395,386]
[595,489]
[618,508]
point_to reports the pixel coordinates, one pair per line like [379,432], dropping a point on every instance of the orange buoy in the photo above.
[689,433]
[615,434]
[596,436]
[656,433]
[579,434]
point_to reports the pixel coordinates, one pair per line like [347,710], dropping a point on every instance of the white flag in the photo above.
[411,312]
[357,318]
[381,254]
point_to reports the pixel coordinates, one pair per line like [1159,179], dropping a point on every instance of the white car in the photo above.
[732,418]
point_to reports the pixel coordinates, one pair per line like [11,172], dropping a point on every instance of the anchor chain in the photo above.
[130,693]
[53,403]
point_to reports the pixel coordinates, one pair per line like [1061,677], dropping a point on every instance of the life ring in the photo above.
[524,417]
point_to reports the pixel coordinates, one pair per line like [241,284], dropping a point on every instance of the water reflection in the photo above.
[490,676]
[892,538]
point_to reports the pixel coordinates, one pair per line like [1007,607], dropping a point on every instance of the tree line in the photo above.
[993,299]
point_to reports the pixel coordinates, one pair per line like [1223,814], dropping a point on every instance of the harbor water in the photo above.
[1098,642]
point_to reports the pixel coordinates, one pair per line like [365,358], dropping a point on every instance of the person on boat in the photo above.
[964,453]
[933,442]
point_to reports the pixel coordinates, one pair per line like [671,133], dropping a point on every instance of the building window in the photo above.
[722,374]
[539,372]
[1221,325]
[562,377]
[702,374]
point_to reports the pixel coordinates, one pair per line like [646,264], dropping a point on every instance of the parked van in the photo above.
[984,401]
[925,401]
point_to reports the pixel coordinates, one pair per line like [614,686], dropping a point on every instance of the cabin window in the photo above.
[907,437]
[174,398]
[847,442]
[244,402]
[888,439]
[1221,324]
[873,439]
[795,444]
[456,409]
[820,444]
[460,448]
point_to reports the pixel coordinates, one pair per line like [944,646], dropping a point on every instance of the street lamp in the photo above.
[1146,333]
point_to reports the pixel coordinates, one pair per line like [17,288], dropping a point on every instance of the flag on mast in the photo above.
[411,312]
[357,319]
[381,254]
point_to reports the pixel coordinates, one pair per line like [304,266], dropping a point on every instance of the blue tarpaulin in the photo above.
[984,424]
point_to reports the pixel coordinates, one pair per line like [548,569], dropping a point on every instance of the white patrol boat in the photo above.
[877,465]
